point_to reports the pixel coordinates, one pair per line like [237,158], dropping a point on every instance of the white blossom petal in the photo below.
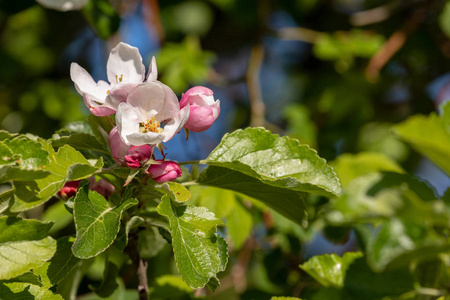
[171,106]
[176,124]
[85,84]
[125,65]
[152,71]
[148,98]
[127,119]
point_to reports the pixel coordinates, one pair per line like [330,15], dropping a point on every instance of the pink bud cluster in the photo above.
[147,112]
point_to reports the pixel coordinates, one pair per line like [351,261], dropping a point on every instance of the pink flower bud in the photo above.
[165,171]
[102,186]
[69,189]
[128,155]
[203,109]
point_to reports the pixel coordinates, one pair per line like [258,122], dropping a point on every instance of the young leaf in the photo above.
[276,161]
[329,269]
[24,245]
[66,165]
[195,243]
[22,159]
[287,202]
[62,262]
[178,192]
[429,136]
[80,141]
[97,224]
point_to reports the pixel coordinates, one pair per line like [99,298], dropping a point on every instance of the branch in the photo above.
[257,107]
[141,265]
[394,44]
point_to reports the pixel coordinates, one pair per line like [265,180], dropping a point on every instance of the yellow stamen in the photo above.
[108,91]
[151,125]
[119,79]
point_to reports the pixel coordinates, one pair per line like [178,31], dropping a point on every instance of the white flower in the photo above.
[150,115]
[125,71]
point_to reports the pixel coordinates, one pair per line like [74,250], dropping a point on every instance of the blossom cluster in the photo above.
[147,112]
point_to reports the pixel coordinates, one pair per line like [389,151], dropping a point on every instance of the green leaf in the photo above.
[150,242]
[6,200]
[66,165]
[80,141]
[6,135]
[285,298]
[430,136]
[350,166]
[276,161]
[101,127]
[109,283]
[23,245]
[380,195]
[22,159]
[169,286]
[196,246]
[239,225]
[397,244]
[63,261]
[363,283]
[178,192]
[97,224]
[287,202]
[330,269]
[14,229]
[218,201]
[122,237]
[19,257]
[24,290]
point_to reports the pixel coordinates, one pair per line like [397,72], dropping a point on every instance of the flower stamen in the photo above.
[151,125]
[119,79]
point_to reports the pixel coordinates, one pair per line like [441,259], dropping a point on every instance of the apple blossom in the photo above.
[203,109]
[102,186]
[127,155]
[69,189]
[150,115]
[165,171]
[124,69]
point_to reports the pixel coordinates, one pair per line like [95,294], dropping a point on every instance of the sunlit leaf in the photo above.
[239,225]
[195,243]
[276,161]
[23,245]
[330,269]
[429,135]
[97,223]
[66,165]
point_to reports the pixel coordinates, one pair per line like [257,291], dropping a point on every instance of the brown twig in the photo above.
[299,33]
[141,265]
[257,107]
[394,44]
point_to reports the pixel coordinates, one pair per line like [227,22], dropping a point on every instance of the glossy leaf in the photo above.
[218,201]
[287,202]
[178,192]
[65,165]
[80,141]
[97,224]
[429,135]
[276,161]
[330,269]
[195,243]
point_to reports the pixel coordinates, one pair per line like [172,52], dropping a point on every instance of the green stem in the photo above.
[193,162]
[76,281]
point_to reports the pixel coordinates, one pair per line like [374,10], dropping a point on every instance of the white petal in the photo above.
[175,125]
[152,71]
[148,98]
[148,138]
[127,119]
[85,84]
[125,65]
[119,94]
[171,106]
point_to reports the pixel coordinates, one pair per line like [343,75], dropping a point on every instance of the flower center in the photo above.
[151,125]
